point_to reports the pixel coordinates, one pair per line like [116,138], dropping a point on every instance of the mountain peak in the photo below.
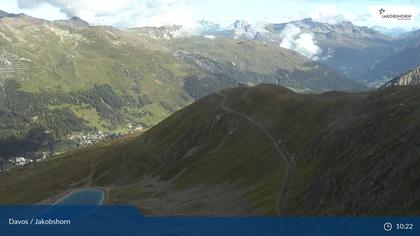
[242,29]
[308,20]
[76,18]
[79,21]
[240,24]
[162,32]
[20,15]
[74,21]
[346,22]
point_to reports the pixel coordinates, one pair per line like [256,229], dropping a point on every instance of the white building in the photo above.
[20,161]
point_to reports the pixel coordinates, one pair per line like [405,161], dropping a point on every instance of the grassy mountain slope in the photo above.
[344,154]
[100,80]
[59,79]
[253,63]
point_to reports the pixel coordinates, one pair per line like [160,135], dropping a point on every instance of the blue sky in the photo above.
[131,13]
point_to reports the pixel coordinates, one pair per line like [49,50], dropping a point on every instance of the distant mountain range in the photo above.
[65,78]
[262,150]
[223,137]
[359,52]
[390,31]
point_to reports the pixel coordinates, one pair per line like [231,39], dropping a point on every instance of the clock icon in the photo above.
[387,226]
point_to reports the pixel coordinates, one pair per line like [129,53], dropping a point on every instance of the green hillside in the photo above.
[64,80]
[254,63]
[264,150]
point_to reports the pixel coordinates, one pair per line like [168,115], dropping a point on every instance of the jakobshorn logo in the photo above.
[395,13]
[381,11]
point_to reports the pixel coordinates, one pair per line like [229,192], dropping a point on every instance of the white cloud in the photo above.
[333,15]
[303,43]
[125,13]
[80,7]
[132,13]
[176,12]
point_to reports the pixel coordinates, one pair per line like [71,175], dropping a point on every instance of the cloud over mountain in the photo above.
[125,13]
[77,7]
[303,43]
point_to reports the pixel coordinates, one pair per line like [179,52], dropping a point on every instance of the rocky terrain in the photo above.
[411,77]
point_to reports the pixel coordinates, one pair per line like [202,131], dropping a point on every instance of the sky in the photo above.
[135,13]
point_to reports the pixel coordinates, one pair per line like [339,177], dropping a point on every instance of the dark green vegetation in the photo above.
[349,154]
[66,77]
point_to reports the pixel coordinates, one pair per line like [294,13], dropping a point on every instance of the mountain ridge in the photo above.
[3,13]
[411,77]
[347,48]
[74,22]
[105,79]
[359,52]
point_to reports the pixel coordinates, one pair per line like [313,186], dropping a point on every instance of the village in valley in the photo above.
[80,139]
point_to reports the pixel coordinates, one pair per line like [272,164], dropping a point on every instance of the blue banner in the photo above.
[127,220]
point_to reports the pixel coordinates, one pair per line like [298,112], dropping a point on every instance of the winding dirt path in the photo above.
[282,197]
